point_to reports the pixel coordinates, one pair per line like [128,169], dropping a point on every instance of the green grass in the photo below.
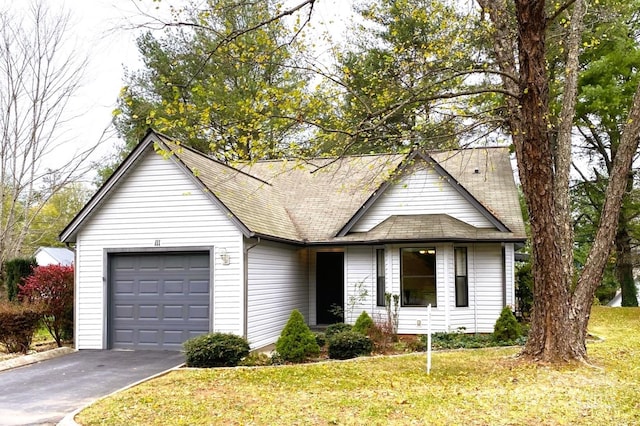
[467,387]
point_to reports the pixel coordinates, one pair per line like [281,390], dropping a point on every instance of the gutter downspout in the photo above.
[245,322]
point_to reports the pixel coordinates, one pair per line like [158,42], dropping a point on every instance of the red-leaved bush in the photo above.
[51,287]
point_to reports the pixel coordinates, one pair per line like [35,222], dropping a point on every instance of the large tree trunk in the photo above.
[548,340]
[560,311]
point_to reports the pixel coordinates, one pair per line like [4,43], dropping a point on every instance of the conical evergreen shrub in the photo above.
[363,324]
[507,327]
[296,342]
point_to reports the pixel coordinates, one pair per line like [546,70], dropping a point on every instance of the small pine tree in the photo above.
[363,324]
[507,327]
[296,342]
[16,270]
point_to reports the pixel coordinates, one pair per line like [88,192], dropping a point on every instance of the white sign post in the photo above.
[429,339]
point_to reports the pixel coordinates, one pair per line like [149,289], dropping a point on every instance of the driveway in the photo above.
[43,393]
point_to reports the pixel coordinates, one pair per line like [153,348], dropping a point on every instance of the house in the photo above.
[53,256]
[176,244]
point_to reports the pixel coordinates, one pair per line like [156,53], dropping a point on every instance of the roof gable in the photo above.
[409,166]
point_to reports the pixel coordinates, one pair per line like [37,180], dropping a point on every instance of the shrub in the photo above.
[15,270]
[458,340]
[507,327]
[296,342]
[336,328]
[51,286]
[382,334]
[321,339]
[215,350]
[18,323]
[363,324]
[349,344]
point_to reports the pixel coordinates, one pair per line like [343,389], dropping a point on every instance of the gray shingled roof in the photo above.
[311,201]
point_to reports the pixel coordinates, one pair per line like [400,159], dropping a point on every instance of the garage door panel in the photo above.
[160,301]
[199,287]
[124,287]
[175,286]
[198,312]
[124,312]
[149,287]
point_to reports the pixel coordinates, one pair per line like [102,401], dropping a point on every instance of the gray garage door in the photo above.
[157,301]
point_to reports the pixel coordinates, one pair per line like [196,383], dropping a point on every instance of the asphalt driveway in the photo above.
[43,393]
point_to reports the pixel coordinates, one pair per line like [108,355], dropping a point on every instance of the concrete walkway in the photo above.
[44,392]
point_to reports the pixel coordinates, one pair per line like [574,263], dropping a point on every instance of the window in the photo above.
[380,285]
[418,276]
[462,284]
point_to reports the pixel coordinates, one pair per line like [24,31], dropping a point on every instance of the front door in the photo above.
[329,287]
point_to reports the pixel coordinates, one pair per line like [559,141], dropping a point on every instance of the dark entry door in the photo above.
[329,286]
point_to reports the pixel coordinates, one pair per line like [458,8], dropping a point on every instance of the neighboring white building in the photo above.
[54,256]
[176,244]
[616,302]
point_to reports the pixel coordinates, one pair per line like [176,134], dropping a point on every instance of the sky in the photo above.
[104,31]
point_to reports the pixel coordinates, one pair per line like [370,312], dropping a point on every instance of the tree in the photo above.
[15,270]
[59,209]
[39,75]
[402,57]
[220,79]
[561,308]
[51,287]
[412,73]
[607,83]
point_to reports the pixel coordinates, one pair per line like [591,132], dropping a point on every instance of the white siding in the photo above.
[487,281]
[485,278]
[360,277]
[510,274]
[422,192]
[277,284]
[156,204]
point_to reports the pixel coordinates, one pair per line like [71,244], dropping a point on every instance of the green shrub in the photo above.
[507,327]
[15,270]
[296,342]
[336,328]
[363,324]
[349,344]
[215,350]
[321,339]
[18,323]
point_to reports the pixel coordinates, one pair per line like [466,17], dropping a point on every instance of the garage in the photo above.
[157,300]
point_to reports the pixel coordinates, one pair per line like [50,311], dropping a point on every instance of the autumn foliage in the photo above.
[51,287]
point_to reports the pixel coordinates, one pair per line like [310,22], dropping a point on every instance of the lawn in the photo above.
[466,387]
